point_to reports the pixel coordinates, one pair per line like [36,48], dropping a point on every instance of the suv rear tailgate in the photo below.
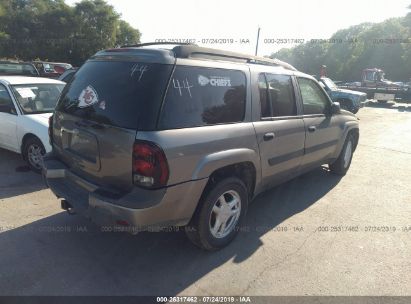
[99,153]
[99,113]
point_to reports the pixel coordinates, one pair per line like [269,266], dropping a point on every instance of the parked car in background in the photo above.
[51,69]
[18,68]
[26,104]
[349,100]
[68,75]
[148,138]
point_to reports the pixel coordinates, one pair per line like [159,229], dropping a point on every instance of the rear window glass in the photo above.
[116,93]
[17,69]
[203,96]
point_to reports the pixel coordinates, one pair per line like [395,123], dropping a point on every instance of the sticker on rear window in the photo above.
[87,97]
[215,81]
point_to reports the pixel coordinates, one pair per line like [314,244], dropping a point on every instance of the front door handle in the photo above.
[312,128]
[268,136]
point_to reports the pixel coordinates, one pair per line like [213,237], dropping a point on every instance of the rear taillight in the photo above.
[150,168]
[51,130]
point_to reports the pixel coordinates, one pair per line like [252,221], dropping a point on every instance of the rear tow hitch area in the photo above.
[65,205]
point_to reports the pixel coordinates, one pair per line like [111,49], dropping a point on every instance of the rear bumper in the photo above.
[141,209]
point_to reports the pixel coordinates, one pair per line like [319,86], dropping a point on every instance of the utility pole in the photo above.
[258,37]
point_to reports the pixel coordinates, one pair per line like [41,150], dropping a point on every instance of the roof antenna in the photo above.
[258,37]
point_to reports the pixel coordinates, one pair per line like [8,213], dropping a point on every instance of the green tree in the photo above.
[349,51]
[96,28]
[406,57]
[126,35]
[52,30]
[407,19]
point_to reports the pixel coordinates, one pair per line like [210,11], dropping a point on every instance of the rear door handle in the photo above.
[268,136]
[312,128]
[72,131]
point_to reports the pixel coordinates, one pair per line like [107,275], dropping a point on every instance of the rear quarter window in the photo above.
[199,96]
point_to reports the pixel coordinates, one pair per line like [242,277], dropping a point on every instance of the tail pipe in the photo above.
[65,205]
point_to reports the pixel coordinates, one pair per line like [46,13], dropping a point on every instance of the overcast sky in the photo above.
[239,20]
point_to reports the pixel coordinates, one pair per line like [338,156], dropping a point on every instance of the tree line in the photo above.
[385,45]
[54,31]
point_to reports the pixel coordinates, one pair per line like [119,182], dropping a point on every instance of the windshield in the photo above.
[17,69]
[329,83]
[37,98]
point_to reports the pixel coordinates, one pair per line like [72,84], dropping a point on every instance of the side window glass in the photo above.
[5,98]
[281,93]
[200,96]
[6,104]
[314,99]
[264,99]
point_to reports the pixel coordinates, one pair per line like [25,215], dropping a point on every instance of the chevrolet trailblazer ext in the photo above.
[150,137]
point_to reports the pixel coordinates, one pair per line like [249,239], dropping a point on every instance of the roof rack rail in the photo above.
[157,43]
[194,51]
[274,62]
[191,50]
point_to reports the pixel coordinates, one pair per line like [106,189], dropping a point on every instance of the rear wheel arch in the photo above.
[226,160]
[245,171]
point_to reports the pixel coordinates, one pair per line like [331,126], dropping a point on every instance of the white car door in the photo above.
[8,121]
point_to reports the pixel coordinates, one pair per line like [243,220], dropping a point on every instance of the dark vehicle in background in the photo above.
[51,69]
[349,100]
[17,68]
[68,75]
[375,78]
[374,84]
[145,138]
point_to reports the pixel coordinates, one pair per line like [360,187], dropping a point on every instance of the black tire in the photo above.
[30,144]
[199,230]
[341,165]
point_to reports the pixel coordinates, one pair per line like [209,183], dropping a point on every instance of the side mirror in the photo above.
[335,108]
[7,109]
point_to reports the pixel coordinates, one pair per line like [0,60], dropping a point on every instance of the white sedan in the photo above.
[26,103]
